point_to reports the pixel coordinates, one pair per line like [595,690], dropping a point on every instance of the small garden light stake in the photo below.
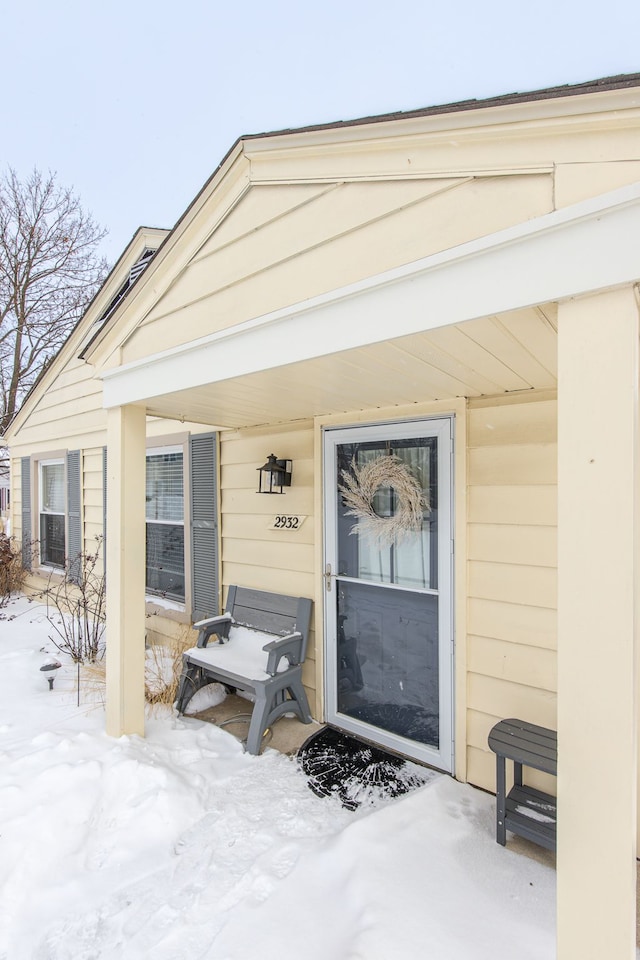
[49,670]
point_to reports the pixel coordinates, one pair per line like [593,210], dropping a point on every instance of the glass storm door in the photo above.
[388,593]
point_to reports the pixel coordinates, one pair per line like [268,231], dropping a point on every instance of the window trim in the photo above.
[174,443]
[204,590]
[43,512]
[38,460]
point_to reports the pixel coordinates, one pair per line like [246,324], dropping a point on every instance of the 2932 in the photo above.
[286,523]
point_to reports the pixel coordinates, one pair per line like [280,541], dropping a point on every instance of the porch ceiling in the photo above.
[482,357]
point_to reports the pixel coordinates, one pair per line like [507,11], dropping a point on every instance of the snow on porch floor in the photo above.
[287,734]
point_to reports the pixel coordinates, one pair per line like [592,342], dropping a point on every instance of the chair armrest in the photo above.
[289,647]
[219,625]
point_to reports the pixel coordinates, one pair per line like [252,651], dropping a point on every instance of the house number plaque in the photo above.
[283,521]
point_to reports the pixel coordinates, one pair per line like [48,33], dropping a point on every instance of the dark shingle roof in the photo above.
[619,82]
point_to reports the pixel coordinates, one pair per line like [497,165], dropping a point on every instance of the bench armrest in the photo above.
[289,647]
[213,625]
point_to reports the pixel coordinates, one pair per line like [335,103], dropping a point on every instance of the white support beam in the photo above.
[125,554]
[597,678]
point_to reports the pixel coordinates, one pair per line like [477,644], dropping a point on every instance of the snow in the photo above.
[243,655]
[535,814]
[179,845]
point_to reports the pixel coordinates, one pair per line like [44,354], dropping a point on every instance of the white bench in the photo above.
[261,645]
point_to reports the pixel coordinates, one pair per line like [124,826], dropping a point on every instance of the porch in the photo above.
[548,305]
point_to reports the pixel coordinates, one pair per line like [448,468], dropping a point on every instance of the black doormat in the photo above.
[339,765]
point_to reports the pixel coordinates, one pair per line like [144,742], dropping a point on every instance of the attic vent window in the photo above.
[138,267]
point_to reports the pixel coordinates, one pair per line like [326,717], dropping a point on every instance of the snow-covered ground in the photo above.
[180,847]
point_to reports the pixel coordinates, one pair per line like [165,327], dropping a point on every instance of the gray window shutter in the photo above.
[25,478]
[204,525]
[74,524]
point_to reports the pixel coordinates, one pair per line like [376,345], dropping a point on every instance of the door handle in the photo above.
[327,578]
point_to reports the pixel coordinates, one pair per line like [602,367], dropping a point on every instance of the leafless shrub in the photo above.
[77,610]
[12,570]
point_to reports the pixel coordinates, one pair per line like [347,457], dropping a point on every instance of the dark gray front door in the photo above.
[388,585]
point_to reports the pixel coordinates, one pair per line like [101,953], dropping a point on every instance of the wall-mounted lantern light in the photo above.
[274,475]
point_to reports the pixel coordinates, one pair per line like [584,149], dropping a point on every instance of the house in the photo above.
[431,313]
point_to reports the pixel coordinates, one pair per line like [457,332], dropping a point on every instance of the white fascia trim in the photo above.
[588,246]
[589,107]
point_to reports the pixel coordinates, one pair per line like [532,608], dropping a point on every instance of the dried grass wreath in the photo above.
[359,487]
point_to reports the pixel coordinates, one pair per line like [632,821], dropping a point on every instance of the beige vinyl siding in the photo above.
[69,413]
[346,234]
[261,207]
[512,581]
[92,500]
[164,630]
[69,416]
[578,181]
[254,554]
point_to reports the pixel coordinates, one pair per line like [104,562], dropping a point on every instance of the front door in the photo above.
[388,589]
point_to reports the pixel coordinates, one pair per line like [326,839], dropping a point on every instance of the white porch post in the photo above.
[597,704]
[126,427]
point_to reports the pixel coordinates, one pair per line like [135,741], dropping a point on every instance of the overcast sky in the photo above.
[134,105]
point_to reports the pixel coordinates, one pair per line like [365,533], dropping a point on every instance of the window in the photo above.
[52,512]
[165,556]
[182,557]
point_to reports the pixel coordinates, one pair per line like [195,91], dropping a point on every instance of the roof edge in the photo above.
[621,81]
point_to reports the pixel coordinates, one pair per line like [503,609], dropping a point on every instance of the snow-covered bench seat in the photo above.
[260,648]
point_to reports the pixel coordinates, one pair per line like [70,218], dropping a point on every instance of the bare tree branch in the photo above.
[49,271]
